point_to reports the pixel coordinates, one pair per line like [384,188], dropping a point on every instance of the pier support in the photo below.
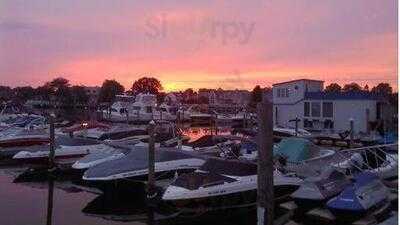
[351,144]
[265,191]
[151,176]
[52,142]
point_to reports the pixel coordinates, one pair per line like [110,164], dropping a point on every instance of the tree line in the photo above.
[59,91]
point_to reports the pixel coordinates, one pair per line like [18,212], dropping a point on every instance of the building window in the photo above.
[283,92]
[327,109]
[306,109]
[315,109]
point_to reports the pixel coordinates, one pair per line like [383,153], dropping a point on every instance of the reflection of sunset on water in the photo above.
[197,132]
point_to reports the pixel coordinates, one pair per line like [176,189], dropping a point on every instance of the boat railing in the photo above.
[377,152]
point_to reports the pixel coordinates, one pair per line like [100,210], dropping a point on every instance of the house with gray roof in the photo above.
[317,110]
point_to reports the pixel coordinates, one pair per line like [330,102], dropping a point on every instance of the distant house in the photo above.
[318,110]
[222,97]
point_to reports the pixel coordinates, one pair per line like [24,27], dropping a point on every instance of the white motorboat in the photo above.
[221,181]
[113,133]
[141,108]
[134,165]
[75,150]
[24,137]
[370,159]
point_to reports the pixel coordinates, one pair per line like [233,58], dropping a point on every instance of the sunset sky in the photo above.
[229,44]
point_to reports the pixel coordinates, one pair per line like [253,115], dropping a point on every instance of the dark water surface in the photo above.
[26,203]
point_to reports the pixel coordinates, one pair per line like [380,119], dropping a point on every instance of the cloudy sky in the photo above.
[228,44]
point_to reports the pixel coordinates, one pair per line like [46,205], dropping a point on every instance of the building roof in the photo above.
[291,81]
[353,95]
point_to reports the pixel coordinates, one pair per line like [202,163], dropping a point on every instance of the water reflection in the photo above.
[195,133]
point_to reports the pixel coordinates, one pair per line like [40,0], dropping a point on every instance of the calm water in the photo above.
[26,202]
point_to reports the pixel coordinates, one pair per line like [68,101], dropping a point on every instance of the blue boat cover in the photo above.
[348,200]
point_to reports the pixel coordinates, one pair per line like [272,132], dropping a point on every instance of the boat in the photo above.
[301,156]
[278,133]
[212,144]
[195,114]
[222,183]
[140,108]
[369,159]
[24,137]
[118,111]
[134,166]
[167,135]
[363,196]
[281,133]
[75,149]
[9,112]
[315,191]
[117,132]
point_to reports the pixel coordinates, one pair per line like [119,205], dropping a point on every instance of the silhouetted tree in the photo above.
[256,94]
[333,87]
[79,95]
[23,94]
[60,89]
[366,88]
[44,92]
[6,93]
[189,95]
[161,97]
[383,89]
[352,87]
[147,85]
[109,89]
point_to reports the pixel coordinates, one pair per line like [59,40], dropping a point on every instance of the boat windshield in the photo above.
[193,181]
[229,167]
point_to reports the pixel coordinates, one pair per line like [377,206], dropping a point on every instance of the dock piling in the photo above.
[265,191]
[151,175]
[351,144]
[52,142]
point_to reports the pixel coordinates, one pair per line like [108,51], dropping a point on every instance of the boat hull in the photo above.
[24,142]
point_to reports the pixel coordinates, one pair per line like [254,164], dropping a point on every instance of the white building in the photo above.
[318,110]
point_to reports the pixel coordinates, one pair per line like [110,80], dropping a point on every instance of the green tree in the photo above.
[352,87]
[147,85]
[109,89]
[333,87]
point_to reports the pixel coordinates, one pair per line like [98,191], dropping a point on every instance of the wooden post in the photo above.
[244,120]
[367,121]
[52,142]
[50,202]
[351,133]
[265,191]
[151,175]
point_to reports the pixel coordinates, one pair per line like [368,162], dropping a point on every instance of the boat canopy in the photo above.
[135,160]
[296,149]
[193,181]
[229,167]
